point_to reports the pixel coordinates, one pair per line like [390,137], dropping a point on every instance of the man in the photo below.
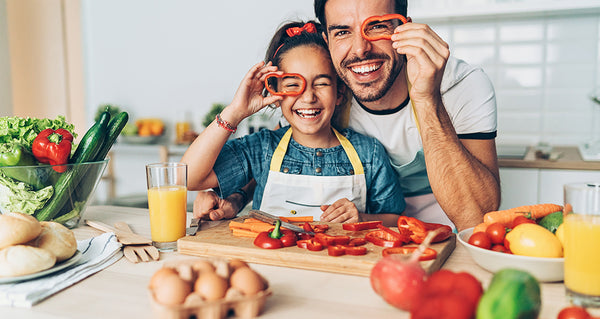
[443,150]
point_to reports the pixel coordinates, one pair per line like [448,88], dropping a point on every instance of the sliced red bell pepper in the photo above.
[330,240]
[428,254]
[401,234]
[320,228]
[357,241]
[303,236]
[53,147]
[340,250]
[307,227]
[419,229]
[383,239]
[310,244]
[361,225]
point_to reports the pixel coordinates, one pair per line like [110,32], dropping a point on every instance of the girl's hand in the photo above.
[426,55]
[248,98]
[342,211]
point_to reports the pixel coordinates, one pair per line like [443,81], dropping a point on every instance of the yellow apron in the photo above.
[302,195]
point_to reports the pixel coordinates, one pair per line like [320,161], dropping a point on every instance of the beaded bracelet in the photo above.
[224,124]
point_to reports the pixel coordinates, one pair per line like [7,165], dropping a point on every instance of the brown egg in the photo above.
[247,281]
[159,275]
[171,290]
[211,286]
[237,263]
[203,266]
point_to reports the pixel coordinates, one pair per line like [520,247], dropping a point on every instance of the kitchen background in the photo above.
[165,59]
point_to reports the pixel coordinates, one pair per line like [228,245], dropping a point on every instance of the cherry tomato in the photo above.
[499,248]
[496,233]
[573,312]
[481,240]
[522,220]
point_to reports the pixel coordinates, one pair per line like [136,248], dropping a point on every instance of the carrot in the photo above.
[284,219]
[239,225]
[238,232]
[480,228]
[298,219]
[252,220]
[506,217]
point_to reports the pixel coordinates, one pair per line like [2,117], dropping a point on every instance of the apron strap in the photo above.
[281,149]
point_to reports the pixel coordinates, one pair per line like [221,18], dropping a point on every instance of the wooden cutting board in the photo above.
[218,241]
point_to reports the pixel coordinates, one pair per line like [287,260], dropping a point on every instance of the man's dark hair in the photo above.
[399,7]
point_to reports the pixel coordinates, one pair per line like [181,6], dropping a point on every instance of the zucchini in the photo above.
[512,293]
[115,126]
[86,151]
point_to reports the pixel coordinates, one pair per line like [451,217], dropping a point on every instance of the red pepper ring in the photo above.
[381,27]
[361,225]
[310,244]
[383,239]
[340,250]
[286,84]
[402,234]
[428,254]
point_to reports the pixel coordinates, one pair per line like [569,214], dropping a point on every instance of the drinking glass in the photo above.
[167,203]
[582,244]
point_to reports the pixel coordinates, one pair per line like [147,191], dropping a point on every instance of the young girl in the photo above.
[308,164]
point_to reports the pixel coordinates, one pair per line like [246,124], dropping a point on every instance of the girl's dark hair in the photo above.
[399,7]
[282,42]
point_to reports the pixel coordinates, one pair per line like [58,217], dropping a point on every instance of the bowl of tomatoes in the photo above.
[542,268]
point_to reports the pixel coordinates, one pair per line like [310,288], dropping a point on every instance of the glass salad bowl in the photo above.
[57,193]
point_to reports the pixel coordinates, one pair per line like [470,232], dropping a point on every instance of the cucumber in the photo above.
[512,293]
[115,126]
[89,146]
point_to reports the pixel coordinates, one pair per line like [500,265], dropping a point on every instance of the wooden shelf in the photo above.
[569,159]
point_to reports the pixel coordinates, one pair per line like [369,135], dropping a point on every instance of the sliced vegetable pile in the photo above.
[60,194]
[533,230]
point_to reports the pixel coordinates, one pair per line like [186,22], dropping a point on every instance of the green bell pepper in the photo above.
[13,155]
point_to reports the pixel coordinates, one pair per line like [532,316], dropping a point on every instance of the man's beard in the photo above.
[371,96]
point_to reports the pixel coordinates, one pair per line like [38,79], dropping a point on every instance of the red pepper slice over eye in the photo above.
[310,244]
[361,225]
[380,32]
[428,254]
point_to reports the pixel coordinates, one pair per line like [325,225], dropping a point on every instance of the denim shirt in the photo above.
[249,157]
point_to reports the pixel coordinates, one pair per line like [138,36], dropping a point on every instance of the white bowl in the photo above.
[136,139]
[544,269]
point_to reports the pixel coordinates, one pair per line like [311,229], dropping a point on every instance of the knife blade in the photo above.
[194,225]
[271,219]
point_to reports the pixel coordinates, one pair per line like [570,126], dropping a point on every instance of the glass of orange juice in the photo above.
[582,244]
[167,203]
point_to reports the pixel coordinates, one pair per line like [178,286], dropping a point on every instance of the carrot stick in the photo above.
[238,232]
[252,220]
[506,217]
[239,225]
[297,219]
[284,219]
[480,228]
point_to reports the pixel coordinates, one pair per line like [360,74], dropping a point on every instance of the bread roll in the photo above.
[22,260]
[17,228]
[57,239]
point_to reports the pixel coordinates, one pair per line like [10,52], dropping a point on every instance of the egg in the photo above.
[247,281]
[237,263]
[171,289]
[211,286]
[159,275]
[203,266]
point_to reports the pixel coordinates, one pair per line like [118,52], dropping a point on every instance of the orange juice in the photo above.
[167,205]
[180,128]
[582,254]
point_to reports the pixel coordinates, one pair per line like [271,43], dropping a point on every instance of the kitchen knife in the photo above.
[268,218]
[194,225]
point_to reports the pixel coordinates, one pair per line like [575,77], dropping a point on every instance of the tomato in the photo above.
[535,241]
[496,232]
[522,220]
[481,240]
[500,248]
[573,312]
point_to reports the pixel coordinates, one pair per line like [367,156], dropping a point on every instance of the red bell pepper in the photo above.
[357,241]
[320,228]
[402,234]
[310,244]
[307,227]
[361,225]
[276,238]
[340,250]
[428,254]
[419,229]
[383,239]
[53,147]
[330,240]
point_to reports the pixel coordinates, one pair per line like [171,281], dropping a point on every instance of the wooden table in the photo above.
[120,291]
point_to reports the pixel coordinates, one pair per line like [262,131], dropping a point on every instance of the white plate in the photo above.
[59,266]
[544,269]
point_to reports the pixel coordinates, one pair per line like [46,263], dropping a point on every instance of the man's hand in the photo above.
[209,206]
[342,211]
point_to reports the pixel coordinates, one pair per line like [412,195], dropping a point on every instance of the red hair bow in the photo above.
[308,27]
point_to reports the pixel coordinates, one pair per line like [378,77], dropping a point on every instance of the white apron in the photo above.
[302,195]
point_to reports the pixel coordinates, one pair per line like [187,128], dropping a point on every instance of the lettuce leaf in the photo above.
[24,130]
[19,197]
